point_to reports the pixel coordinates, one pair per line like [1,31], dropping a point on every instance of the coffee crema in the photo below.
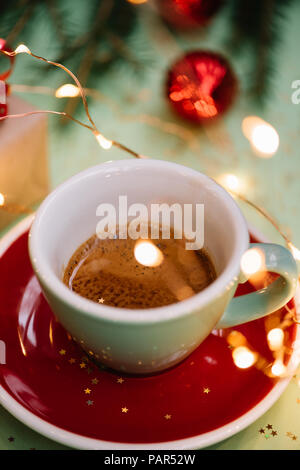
[138,274]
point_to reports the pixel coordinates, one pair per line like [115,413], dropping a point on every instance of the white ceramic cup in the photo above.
[150,340]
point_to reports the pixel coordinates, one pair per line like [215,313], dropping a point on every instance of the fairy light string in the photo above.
[46,111]
[242,351]
[102,140]
[68,90]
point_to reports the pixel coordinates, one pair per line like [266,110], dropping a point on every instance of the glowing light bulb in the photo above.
[67,91]
[295,251]
[265,139]
[147,254]
[230,182]
[243,358]
[262,136]
[252,261]
[103,141]
[2,199]
[21,49]
[137,2]
[278,368]
[275,339]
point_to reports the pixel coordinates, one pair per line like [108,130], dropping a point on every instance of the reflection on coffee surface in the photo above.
[138,274]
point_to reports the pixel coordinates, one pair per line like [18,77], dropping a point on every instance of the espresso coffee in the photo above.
[138,274]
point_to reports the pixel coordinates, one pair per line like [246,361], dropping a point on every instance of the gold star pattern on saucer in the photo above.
[87,366]
[291,436]
[268,431]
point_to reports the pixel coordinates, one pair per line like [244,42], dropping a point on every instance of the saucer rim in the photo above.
[199,441]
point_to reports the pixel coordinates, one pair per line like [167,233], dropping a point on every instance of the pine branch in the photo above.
[86,64]
[107,23]
[257,28]
[56,20]
[20,24]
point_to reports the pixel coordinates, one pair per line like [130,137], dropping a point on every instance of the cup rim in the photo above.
[137,316]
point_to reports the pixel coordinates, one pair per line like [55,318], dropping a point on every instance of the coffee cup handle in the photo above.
[248,307]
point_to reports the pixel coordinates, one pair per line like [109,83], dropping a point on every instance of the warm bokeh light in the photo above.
[278,368]
[137,2]
[252,261]
[236,339]
[2,199]
[275,339]
[103,141]
[265,139]
[262,136]
[243,357]
[230,182]
[67,91]
[295,251]
[248,125]
[147,254]
[21,49]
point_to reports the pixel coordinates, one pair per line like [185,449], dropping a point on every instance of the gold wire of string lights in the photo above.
[101,139]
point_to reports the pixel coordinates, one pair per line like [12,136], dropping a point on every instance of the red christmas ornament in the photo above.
[3,98]
[201,86]
[4,88]
[186,14]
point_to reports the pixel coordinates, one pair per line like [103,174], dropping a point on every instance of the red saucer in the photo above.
[49,375]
